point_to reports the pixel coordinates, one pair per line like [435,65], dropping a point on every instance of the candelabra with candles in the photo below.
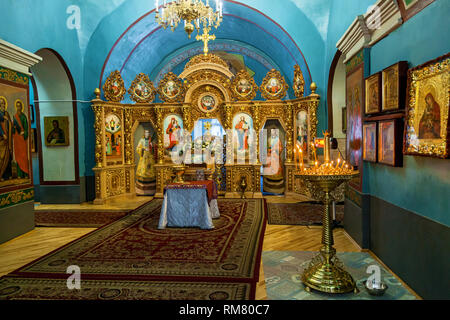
[325,272]
[194,13]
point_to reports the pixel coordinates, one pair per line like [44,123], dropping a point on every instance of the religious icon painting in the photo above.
[242,127]
[299,82]
[142,89]
[114,87]
[243,86]
[394,86]
[389,135]
[370,142]
[355,101]
[274,86]
[56,131]
[373,93]
[114,137]
[171,88]
[173,125]
[15,134]
[426,122]
[208,102]
[301,123]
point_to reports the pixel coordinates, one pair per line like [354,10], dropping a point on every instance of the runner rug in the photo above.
[302,213]
[283,270]
[131,259]
[74,219]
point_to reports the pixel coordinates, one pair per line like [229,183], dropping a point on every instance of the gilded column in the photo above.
[98,126]
[228,123]
[187,117]
[289,133]
[127,136]
[160,125]
[257,127]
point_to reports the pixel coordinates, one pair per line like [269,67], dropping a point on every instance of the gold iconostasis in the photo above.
[206,100]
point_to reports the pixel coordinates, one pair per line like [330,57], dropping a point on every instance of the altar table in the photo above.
[190,204]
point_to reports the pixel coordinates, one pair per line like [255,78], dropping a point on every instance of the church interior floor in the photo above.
[122,203]
[42,240]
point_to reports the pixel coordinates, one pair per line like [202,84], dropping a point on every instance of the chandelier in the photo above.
[194,13]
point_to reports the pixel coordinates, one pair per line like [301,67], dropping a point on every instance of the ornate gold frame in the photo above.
[283,90]
[108,87]
[243,75]
[299,82]
[142,77]
[430,74]
[179,97]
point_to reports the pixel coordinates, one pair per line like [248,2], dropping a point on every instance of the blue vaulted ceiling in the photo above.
[145,47]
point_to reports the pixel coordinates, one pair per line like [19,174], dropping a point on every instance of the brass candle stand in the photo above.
[325,271]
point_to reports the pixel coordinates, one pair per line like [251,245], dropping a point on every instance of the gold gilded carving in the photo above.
[115,182]
[98,126]
[201,59]
[114,87]
[142,89]
[171,88]
[289,133]
[243,87]
[299,82]
[274,87]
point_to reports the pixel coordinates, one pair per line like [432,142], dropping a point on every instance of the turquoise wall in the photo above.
[422,185]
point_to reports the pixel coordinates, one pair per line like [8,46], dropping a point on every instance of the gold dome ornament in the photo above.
[97,93]
[313,88]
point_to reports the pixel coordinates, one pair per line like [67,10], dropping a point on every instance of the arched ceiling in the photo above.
[146,47]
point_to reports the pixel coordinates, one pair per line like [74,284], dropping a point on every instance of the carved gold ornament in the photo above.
[299,82]
[142,89]
[426,123]
[171,88]
[114,87]
[208,59]
[243,87]
[273,87]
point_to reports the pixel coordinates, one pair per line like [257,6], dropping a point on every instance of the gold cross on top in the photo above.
[206,37]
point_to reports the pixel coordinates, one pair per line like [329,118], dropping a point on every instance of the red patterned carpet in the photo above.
[137,261]
[75,219]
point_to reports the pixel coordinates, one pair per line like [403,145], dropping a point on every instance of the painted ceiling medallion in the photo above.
[274,86]
[114,87]
[208,102]
[299,82]
[243,86]
[171,88]
[142,89]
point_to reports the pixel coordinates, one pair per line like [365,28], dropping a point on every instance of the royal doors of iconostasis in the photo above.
[208,122]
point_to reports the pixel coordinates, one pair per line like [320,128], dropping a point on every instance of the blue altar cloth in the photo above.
[186,208]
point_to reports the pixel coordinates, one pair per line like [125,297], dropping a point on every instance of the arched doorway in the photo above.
[336,100]
[57,135]
[273,181]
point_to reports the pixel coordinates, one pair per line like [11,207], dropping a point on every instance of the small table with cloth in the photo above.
[189,204]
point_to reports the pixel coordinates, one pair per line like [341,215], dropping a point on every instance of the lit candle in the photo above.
[156,5]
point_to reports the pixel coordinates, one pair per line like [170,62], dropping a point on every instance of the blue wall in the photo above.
[422,185]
